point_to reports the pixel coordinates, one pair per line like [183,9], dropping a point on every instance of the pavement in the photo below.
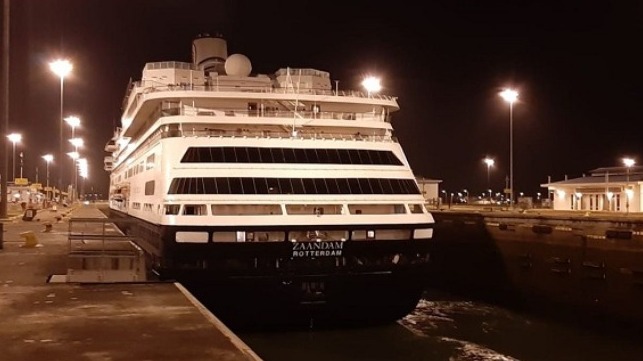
[95,321]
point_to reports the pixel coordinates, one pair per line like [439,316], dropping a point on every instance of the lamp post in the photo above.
[489,162]
[76,142]
[510,96]
[4,113]
[48,158]
[83,173]
[444,194]
[74,156]
[14,138]
[73,122]
[21,163]
[628,162]
[61,68]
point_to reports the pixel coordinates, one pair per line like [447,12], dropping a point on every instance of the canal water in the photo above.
[446,327]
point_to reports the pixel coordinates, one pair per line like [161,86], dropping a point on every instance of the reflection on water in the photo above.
[450,329]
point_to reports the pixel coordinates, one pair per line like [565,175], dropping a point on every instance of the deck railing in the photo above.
[136,90]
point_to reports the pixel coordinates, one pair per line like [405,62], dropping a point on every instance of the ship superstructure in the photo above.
[276,186]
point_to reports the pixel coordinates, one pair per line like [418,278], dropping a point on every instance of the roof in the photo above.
[617,170]
[422,180]
[602,179]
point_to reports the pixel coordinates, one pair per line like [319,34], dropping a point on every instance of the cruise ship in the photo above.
[277,199]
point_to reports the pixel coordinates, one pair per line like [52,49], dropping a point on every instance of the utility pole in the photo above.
[4,122]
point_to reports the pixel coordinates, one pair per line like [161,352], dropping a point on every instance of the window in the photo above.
[149,163]
[317,209]
[416,208]
[260,185]
[149,188]
[288,155]
[229,155]
[248,186]
[172,209]
[245,209]
[194,210]
[223,237]
[285,185]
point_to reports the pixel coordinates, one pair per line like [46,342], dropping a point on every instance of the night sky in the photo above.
[577,67]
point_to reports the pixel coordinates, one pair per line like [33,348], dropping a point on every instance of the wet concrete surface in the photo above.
[97,321]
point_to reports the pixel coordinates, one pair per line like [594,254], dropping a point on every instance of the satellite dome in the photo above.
[238,64]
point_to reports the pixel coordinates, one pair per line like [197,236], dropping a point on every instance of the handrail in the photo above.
[302,134]
[137,89]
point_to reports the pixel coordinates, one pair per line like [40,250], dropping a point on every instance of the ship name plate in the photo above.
[317,249]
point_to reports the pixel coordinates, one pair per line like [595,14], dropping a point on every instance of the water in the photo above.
[454,329]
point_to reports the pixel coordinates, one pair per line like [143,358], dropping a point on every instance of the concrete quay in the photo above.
[95,321]
[580,265]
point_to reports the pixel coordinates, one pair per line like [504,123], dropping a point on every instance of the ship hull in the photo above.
[309,301]
[277,285]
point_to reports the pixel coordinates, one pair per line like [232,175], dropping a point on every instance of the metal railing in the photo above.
[98,252]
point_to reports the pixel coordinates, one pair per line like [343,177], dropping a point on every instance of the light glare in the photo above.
[14,138]
[628,162]
[509,95]
[73,121]
[372,84]
[61,67]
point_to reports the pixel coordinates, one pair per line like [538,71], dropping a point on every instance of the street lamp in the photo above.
[510,96]
[489,162]
[61,68]
[628,162]
[74,156]
[83,173]
[73,122]
[76,142]
[48,158]
[14,138]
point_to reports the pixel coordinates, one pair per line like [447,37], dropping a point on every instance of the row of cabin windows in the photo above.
[290,209]
[233,185]
[293,236]
[141,167]
[276,209]
[288,155]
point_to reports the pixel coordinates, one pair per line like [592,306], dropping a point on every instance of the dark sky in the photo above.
[577,67]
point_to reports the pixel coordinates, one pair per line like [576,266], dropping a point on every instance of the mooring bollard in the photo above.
[30,238]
